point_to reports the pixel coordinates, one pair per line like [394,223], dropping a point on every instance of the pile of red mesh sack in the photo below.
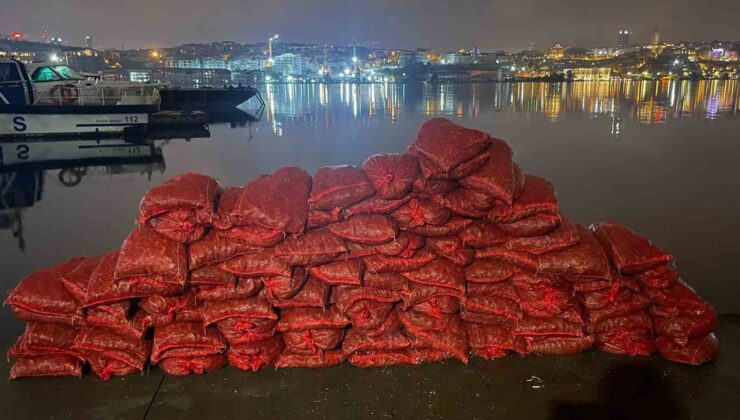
[445,251]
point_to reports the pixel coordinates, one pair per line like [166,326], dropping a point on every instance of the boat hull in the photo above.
[43,121]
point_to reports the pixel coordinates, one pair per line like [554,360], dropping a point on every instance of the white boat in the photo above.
[68,105]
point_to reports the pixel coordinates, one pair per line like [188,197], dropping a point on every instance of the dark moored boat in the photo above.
[205,99]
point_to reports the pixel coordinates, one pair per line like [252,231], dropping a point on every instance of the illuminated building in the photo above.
[557,52]
[623,38]
[589,73]
[655,37]
[89,42]
[288,64]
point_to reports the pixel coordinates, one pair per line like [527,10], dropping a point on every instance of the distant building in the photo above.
[288,64]
[191,77]
[623,38]
[89,42]
[655,37]
[589,73]
[557,52]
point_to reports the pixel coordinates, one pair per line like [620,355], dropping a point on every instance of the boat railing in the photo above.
[71,94]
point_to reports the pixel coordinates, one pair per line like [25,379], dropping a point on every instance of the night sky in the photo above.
[442,25]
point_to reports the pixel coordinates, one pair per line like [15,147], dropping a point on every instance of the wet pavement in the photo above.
[589,385]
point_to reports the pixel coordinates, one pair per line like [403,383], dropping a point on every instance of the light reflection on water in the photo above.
[647,102]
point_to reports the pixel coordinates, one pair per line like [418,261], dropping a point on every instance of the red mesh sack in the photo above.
[559,345]
[531,326]
[297,319]
[285,287]
[263,263]
[661,277]
[381,358]
[375,205]
[316,360]
[696,352]
[226,207]
[440,272]
[43,338]
[211,275]
[630,341]
[106,368]
[636,320]
[313,340]
[391,174]
[144,253]
[489,271]
[313,294]
[366,228]
[561,238]
[447,144]
[320,218]
[186,339]
[111,344]
[76,280]
[246,330]
[115,316]
[453,227]
[481,234]
[339,186]
[404,245]
[425,187]
[469,166]
[625,303]
[253,356]
[161,305]
[499,177]
[340,272]
[493,305]
[490,341]
[421,212]
[368,314]
[586,259]
[501,253]
[357,341]
[417,294]
[586,285]
[343,297]
[438,306]
[465,203]
[682,328]
[47,365]
[383,264]
[214,249]
[537,197]
[451,248]
[504,289]
[254,307]
[539,224]
[242,289]
[277,201]
[678,299]
[180,207]
[182,366]
[41,296]
[486,319]
[386,281]
[629,252]
[254,235]
[315,247]
[443,334]
[103,289]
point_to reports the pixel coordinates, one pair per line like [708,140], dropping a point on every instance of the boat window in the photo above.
[44,74]
[9,72]
[67,73]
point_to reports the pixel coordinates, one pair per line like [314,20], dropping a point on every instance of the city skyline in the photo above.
[383,24]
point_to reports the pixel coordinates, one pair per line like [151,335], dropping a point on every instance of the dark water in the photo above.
[661,158]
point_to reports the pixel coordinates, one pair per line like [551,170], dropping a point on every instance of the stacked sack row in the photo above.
[446,250]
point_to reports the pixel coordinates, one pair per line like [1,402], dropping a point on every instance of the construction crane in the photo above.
[269,49]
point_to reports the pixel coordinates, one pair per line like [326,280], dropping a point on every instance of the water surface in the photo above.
[660,157]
